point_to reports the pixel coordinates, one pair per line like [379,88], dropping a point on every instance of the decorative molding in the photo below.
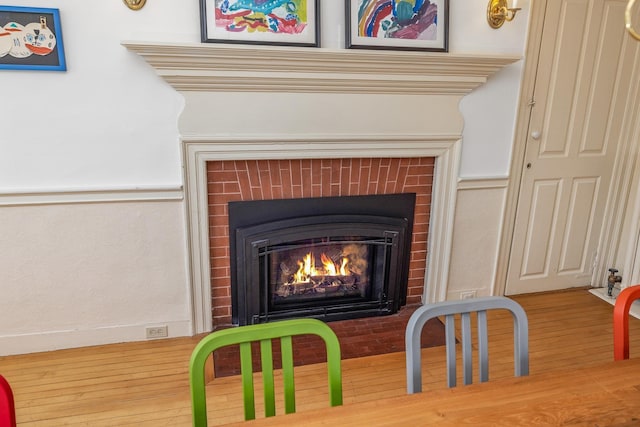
[319,146]
[199,150]
[78,195]
[485,183]
[217,67]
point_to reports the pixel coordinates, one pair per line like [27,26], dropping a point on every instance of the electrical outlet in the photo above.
[467,294]
[157,332]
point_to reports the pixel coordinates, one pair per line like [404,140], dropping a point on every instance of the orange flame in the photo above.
[329,266]
[307,268]
[343,267]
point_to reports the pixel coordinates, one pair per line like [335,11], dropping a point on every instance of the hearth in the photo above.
[331,258]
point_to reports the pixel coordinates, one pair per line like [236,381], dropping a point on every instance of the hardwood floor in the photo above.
[146,383]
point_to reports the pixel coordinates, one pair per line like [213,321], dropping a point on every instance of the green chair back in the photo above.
[263,333]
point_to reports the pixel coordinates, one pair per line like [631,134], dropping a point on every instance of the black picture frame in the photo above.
[221,23]
[375,25]
[31,39]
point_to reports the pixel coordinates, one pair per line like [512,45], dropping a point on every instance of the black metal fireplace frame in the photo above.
[388,219]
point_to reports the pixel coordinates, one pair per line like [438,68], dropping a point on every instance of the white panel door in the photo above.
[582,81]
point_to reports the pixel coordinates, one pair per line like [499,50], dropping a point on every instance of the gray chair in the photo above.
[464,308]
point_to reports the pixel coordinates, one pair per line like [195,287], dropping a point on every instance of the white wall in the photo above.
[110,124]
[109,121]
[489,111]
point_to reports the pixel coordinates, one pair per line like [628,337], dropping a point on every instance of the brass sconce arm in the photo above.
[134,4]
[498,12]
[627,20]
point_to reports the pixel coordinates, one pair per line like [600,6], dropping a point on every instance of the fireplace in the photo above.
[330,258]
[392,104]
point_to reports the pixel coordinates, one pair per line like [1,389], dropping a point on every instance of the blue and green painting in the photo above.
[272,16]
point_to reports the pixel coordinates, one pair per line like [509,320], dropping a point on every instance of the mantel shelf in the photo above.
[221,67]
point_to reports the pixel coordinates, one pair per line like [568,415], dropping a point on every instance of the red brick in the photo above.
[215,187]
[221,311]
[230,188]
[256,193]
[358,338]
[277,193]
[222,176]
[221,282]
[217,252]
[274,170]
[233,180]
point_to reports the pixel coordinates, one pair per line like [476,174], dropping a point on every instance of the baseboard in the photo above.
[57,340]
[602,294]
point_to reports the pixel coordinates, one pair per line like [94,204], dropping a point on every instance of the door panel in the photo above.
[579,222]
[565,56]
[544,206]
[582,80]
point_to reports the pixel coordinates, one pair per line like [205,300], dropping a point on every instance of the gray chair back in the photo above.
[464,308]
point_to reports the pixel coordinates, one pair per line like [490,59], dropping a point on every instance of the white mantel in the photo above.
[219,67]
[245,102]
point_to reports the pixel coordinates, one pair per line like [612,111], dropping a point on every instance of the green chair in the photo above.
[263,333]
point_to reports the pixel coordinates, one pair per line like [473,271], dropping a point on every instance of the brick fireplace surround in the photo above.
[237,180]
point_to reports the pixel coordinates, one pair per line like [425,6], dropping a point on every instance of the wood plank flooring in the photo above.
[146,383]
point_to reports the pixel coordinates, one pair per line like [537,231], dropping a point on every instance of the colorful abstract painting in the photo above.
[288,22]
[397,24]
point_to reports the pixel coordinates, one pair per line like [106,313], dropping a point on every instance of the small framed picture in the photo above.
[398,24]
[31,39]
[287,23]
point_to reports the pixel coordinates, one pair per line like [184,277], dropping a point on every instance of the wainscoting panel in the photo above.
[84,272]
[477,229]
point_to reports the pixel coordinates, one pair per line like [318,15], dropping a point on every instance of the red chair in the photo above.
[7,406]
[621,321]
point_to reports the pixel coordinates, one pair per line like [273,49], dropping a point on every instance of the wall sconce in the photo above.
[627,20]
[498,12]
[134,4]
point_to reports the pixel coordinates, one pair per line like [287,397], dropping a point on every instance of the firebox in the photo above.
[330,258]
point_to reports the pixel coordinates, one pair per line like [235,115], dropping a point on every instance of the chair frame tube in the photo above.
[621,321]
[264,333]
[448,309]
[7,404]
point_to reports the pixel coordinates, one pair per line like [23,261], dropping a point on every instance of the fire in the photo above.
[307,268]
[329,266]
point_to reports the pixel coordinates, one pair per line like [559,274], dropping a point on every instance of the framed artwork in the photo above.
[397,24]
[31,39]
[273,22]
